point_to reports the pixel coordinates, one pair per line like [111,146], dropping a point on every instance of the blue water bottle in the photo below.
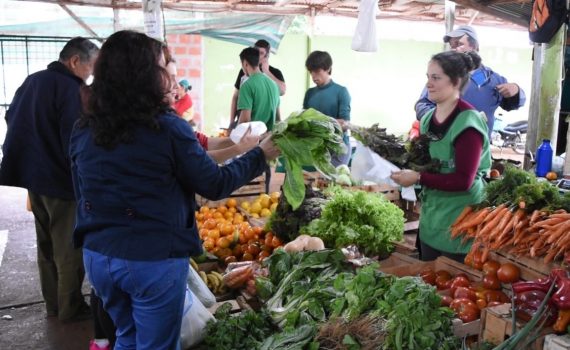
[543,158]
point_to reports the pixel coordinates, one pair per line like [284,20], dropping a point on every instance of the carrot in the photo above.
[534,216]
[496,232]
[481,214]
[466,211]
[485,254]
[550,256]
[495,212]
[549,222]
[558,231]
[492,224]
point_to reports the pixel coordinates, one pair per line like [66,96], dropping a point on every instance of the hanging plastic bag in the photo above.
[200,289]
[367,165]
[364,38]
[194,319]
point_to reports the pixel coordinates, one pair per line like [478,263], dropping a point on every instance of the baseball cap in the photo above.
[184,83]
[459,32]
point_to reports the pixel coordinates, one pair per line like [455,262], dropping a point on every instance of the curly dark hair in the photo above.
[457,65]
[128,88]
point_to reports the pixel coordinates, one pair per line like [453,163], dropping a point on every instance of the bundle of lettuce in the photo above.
[307,138]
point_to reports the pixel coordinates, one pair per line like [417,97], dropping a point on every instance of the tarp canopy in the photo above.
[238,28]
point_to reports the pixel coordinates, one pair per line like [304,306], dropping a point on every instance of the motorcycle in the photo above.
[510,136]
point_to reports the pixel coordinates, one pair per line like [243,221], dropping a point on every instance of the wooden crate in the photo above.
[441,263]
[247,192]
[397,259]
[460,329]
[497,326]
[531,269]
[235,306]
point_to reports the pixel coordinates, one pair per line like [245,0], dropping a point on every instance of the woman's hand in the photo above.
[248,141]
[405,178]
[269,149]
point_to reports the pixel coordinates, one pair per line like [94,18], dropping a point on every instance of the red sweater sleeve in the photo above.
[468,147]
[202,139]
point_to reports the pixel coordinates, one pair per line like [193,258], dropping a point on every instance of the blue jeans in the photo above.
[145,299]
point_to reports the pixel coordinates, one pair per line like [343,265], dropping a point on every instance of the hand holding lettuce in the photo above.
[308,138]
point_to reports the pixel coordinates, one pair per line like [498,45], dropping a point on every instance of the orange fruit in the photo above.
[222,209]
[223,242]
[227,229]
[210,224]
[214,234]
[209,244]
[231,203]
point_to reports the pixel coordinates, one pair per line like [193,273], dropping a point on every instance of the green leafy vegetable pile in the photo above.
[519,187]
[365,219]
[406,155]
[244,331]
[415,317]
[319,289]
[309,138]
[286,222]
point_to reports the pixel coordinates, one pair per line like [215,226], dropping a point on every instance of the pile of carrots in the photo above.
[512,229]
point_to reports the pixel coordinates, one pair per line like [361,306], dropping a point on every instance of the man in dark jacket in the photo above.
[36,157]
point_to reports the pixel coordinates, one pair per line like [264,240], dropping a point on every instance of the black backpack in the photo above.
[546,18]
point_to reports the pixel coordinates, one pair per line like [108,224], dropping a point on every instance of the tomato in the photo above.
[491,266]
[459,281]
[495,303]
[230,259]
[496,295]
[428,276]
[446,300]
[490,281]
[443,282]
[508,273]
[237,251]
[444,273]
[465,309]
[247,257]
[481,303]
[276,242]
[465,293]
[253,249]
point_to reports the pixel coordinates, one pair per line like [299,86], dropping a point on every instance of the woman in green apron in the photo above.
[460,142]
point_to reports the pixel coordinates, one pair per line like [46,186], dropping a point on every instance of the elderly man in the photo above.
[36,157]
[486,90]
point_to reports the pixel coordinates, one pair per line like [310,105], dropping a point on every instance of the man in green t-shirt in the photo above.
[259,95]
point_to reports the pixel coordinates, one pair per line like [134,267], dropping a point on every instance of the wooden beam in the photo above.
[80,22]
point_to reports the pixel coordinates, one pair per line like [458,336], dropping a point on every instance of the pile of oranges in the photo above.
[262,206]
[226,234]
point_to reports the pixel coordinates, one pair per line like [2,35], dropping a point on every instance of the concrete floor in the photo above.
[20,296]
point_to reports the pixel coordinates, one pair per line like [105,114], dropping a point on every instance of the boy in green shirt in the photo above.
[259,96]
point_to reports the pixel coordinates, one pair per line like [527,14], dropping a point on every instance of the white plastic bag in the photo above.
[367,165]
[200,289]
[364,38]
[194,319]
[257,129]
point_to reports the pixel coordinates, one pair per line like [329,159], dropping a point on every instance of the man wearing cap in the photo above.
[183,105]
[486,90]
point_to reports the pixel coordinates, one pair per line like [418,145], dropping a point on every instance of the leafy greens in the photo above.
[309,138]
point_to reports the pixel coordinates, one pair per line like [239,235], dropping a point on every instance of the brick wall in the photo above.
[187,50]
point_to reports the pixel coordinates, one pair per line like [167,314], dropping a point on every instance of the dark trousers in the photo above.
[104,328]
[428,253]
[60,265]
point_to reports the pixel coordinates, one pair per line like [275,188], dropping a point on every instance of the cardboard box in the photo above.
[497,326]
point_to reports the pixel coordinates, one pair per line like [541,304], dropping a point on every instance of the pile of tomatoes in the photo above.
[226,234]
[467,298]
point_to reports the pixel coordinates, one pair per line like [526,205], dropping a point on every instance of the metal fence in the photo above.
[21,56]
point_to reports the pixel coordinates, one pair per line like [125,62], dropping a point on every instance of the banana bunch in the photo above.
[212,279]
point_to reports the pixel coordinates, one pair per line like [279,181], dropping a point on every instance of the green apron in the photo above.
[441,208]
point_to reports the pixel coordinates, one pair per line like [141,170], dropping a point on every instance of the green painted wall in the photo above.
[384,85]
